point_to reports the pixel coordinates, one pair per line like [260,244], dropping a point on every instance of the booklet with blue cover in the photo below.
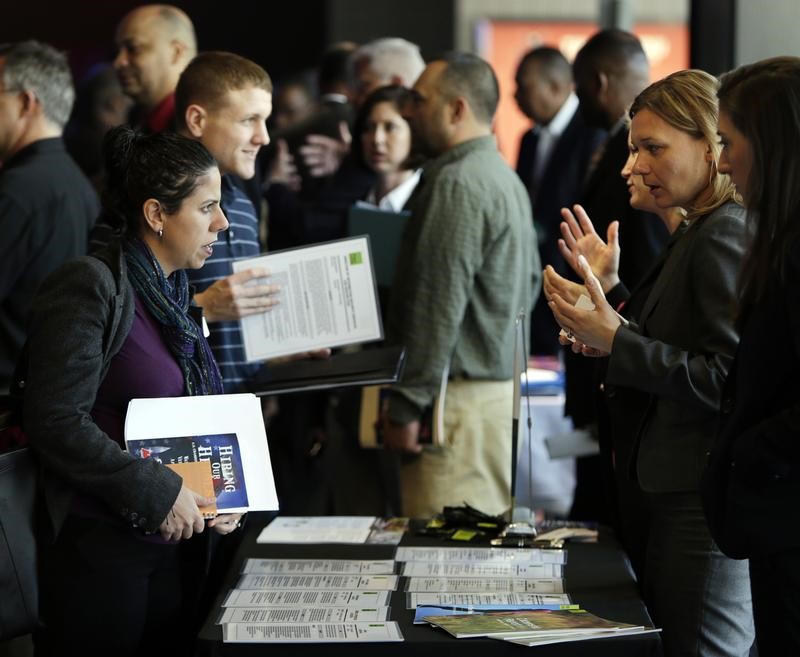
[222,435]
[220,450]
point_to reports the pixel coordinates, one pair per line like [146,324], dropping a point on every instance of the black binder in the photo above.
[343,369]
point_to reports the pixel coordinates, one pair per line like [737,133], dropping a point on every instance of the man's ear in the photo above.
[603,83]
[153,215]
[459,109]
[196,118]
[29,104]
[178,51]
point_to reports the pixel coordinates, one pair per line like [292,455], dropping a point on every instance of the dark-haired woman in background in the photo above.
[383,144]
[105,330]
[751,488]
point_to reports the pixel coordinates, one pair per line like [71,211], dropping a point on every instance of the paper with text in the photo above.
[487,555]
[306,598]
[328,298]
[341,582]
[302,615]
[483,585]
[311,633]
[317,529]
[472,600]
[317,567]
[433,569]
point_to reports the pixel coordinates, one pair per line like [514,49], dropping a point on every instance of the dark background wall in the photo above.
[284,36]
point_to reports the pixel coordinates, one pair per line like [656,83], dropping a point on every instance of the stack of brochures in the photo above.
[312,601]
[510,594]
[535,627]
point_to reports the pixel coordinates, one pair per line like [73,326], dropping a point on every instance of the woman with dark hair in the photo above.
[106,329]
[666,366]
[383,145]
[751,486]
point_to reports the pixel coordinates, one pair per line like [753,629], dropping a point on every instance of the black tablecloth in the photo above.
[598,578]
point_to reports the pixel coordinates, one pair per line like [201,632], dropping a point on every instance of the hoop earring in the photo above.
[160,233]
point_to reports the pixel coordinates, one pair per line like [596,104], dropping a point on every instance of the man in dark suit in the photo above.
[610,71]
[553,161]
[47,206]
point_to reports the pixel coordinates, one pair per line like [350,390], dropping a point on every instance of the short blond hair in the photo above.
[687,100]
[210,76]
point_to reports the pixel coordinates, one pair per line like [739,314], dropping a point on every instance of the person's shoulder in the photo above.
[729,215]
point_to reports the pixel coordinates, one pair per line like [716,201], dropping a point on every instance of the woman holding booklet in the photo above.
[676,351]
[114,575]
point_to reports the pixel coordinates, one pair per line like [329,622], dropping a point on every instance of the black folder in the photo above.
[343,369]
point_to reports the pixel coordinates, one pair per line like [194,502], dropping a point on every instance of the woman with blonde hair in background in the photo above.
[675,353]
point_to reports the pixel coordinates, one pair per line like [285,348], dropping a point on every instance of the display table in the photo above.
[598,578]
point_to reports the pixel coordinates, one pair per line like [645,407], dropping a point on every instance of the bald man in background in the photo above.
[154,44]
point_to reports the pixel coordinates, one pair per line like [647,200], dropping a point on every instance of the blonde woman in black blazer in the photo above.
[677,351]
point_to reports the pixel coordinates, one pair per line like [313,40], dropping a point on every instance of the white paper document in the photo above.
[470,600]
[302,615]
[480,555]
[319,529]
[306,598]
[317,567]
[311,633]
[432,569]
[482,585]
[240,468]
[340,582]
[328,298]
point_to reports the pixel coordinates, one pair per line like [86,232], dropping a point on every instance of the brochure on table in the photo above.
[227,430]
[328,298]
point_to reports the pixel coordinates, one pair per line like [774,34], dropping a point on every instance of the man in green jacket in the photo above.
[467,266]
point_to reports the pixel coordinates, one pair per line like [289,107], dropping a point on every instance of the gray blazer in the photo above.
[680,351]
[79,320]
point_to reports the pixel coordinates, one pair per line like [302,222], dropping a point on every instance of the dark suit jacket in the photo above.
[680,351]
[47,208]
[642,236]
[79,321]
[751,486]
[558,187]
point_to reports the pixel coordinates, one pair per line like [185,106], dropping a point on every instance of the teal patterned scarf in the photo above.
[167,300]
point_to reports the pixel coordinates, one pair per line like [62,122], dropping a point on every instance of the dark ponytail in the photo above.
[163,166]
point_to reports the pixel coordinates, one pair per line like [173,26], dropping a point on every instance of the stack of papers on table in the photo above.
[323,529]
[535,627]
[311,600]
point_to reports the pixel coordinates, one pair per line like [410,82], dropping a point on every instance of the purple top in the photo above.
[143,367]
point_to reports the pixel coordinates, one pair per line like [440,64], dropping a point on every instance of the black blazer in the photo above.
[559,187]
[642,236]
[79,321]
[751,486]
[679,352]
[561,181]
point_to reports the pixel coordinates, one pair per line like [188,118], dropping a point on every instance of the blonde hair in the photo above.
[687,100]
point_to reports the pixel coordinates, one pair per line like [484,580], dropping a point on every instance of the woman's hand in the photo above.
[594,329]
[184,519]
[568,290]
[580,238]
[226,523]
